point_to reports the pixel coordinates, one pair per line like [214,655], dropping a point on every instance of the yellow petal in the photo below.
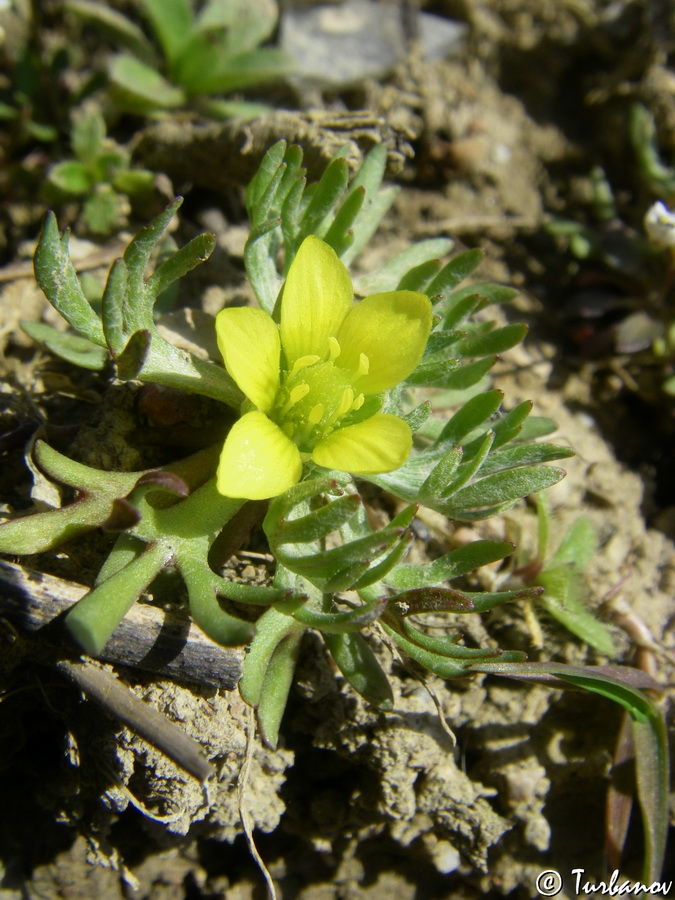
[383,337]
[249,342]
[258,460]
[378,444]
[317,296]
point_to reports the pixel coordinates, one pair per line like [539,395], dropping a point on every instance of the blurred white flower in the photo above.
[659,224]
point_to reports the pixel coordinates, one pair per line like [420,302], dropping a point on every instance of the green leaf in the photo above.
[220,110]
[467,375]
[103,210]
[418,416]
[390,274]
[227,74]
[560,599]
[360,667]
[510,425]
[578,546]
[261,181]
[474,412]
[318,523]
[418,278]
[487,293]
[445,646]
[503,487]
[249,22]
[113,23]
[440,476]
[328,191]
[71,178]
[376,203]
[523,455]
[56,276]
[71,347]
[622,685]
[458,562]
[345,622]
[497,341]
[468,468]
[268,669]
[94,618]
[326,564]
[112,305]
[97,492]
[133,181]
[141,88]
[340,234]
[136,258]
[87,135]
[536,427]
[435,374]
[184,260]
[459,308]
[440,665]
[172,22]
[454,272]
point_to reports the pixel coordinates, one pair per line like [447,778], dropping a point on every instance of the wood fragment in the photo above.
[160,641]
[145,721]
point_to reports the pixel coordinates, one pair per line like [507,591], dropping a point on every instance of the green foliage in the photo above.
[100,176]
[334,571]
[560,576]
[193,59]
[126,326]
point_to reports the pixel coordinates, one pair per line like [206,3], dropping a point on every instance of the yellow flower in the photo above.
[313,381]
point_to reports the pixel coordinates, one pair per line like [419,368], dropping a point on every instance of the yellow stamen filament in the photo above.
[364,364]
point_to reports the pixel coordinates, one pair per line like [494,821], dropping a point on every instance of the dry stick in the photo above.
[148,638]
[139,717]
[160,641]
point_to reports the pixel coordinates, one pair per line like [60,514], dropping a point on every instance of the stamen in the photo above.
[298,392]
[316,413]
[358,403]
[302,363]
[364,364]
[345,403]
[334,349]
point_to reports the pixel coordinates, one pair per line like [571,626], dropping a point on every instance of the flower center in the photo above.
[312,399]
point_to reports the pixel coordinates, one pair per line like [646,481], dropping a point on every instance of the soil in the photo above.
[490,146]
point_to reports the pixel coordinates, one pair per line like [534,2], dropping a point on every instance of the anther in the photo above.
[298,392]
[316,413]
[345,403]
[303,362]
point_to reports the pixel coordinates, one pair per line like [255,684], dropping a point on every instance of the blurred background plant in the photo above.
[194,58]
[626,302]
[100,177]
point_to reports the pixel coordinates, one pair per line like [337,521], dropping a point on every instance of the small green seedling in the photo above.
[100,177]
[560,574]
[194,59]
